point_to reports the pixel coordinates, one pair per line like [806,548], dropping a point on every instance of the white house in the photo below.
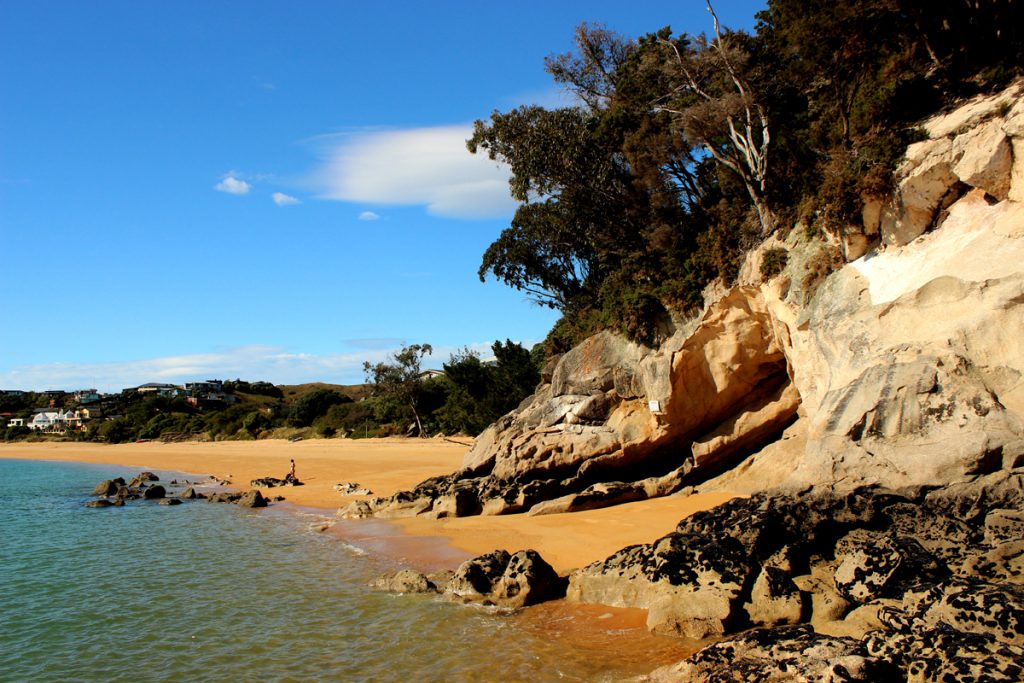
[55,420]
[44,421]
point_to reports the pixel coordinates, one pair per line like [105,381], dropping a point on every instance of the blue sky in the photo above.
[264,190]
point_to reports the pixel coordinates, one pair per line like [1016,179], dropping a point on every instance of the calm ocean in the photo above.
[217,592]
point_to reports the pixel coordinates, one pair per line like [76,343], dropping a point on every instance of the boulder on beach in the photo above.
[252,499]
[506,580]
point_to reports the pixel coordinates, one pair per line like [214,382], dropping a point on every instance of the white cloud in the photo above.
[233,185]
[282,199]
[256,362]
[419,166]
[368,216]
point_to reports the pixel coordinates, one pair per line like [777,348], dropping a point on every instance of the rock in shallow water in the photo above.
[405,581]
[252,499]
[108,487]
[506,580]
[154,492]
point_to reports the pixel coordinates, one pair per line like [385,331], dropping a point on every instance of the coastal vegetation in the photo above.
[399,398]
[684,151]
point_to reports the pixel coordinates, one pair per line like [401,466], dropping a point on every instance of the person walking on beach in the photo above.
[291,473]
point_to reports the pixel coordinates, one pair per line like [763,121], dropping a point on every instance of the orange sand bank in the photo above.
[385,466]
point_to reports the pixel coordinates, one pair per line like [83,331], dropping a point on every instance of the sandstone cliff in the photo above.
[869,399]
[896,349]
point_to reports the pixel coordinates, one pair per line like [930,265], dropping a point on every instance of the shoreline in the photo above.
[429,545]
[566,541]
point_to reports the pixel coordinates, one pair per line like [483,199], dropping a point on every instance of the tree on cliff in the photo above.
[718,108]
[398,384]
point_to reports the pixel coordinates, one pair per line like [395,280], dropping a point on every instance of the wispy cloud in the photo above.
[282,199]
[233,185]
[419,166]
[256,362]
[368,216]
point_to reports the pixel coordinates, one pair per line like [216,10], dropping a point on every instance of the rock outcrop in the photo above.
[873,581]
[617,421]
[907,364]
[499,579]
[879,379]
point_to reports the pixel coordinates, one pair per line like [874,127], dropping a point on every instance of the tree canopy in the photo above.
[398,382]
[684,150]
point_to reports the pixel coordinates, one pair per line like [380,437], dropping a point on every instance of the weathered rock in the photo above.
[191,494]
[404,581]
[223,497]
[147,476]
[792,653]
[505,580]
[475,578]
[252,499]
[927,178]
[154,492]
[101,503]
[970,606]
[607,427]
[526,580]
[775,599]
[352,489]
[909,363]
[128,493]
[945,654]
[827,605]
[170,501]
[880,566]
[108,487]
[985,159]
[690,584]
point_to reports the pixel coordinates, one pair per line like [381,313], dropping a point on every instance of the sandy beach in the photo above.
[385,466]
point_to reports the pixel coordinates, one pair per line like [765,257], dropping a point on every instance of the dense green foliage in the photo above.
[398,384]
[479,392]
[685,150]
[399,399]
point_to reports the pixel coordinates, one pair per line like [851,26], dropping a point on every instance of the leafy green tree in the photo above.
[255,422]
[398,383]
[482,392]
[313,405]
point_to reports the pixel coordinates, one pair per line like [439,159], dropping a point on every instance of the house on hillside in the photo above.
[201,388]
[52,421]
[44,420]
[165,390]
[84,396]
[431,374]
[16,422]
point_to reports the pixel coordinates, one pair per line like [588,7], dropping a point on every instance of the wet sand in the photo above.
[385,466]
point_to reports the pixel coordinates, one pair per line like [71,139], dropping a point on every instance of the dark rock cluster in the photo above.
[921,584]
[499,578]
[115,493]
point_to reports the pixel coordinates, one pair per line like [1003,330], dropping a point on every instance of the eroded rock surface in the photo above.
[616,421]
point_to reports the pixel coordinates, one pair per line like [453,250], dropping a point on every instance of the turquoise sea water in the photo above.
[216,592]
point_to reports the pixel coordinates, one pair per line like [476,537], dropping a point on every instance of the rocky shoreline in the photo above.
[117,493]
[917,584]
[887,541]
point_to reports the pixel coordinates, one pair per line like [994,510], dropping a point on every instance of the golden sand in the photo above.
[385,466]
